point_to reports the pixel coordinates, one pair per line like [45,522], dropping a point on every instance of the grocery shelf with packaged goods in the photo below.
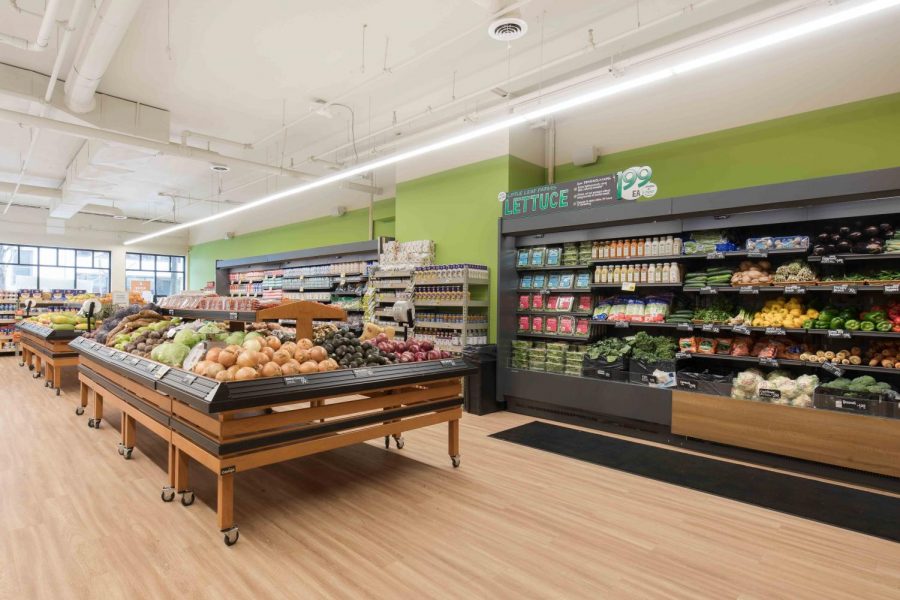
[452,305]
[791,290]
[329,275]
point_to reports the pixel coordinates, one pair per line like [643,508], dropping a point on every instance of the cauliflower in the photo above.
[807,384]
[803,401]
[788,388]
[747,381]
[777,374]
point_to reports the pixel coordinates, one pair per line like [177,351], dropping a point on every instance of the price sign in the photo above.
[715,255]
[189,379]
[134,360]
[710,327]
[363,372]
[621,324]
[831,259]
[649,379]
[95,345]
[768,362]
[794,290]
[171,311]
[833,369]
[295,380]
[682,355]
[708,290]
[160,370]
[688,385]
[120,355]
[893,288]
[775,331]
[232,316]
[849,290]
[628,286]
[603,374]
[770,394]
[448,363]
[839,333]
[749,289]
[742,329]
[684,327]
[758,254]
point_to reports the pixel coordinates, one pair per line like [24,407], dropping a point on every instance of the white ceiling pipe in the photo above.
[31,190]
[167,149]
[97,50]
[44,33]
[487,90]
[70,26]
[397,67]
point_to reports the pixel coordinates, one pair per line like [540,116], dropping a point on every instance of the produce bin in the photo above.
[481,388]
[858,403]
[600,368]
[705,382]
[659,374]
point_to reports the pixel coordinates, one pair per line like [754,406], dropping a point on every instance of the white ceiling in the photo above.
[238,70]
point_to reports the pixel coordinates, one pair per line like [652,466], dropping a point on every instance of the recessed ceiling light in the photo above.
[219,168]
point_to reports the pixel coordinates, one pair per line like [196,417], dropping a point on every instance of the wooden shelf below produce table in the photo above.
[861,442]
[301,311]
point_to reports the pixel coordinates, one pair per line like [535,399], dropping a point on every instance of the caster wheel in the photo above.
[168,494]
[91,423]
[187,498]
[79,410]
[46,384]
[121,449]
[400,443]
[35,375]
[57,391]
[126,453]
[231,536]
[387,442]
[31,367]
[95,423]
[455,460]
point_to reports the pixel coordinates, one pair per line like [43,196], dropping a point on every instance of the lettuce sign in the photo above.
[574,195]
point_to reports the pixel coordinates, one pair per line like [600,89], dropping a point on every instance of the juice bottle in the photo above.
[633,246]
[651,273]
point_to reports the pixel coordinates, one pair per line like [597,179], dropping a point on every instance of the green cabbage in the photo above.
[170,353]
[188,337]
[236,338]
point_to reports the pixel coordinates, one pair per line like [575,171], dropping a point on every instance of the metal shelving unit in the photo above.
[467,278]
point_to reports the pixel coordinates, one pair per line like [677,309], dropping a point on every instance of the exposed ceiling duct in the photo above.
[97,48]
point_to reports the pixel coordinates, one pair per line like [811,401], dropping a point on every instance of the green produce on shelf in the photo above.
[610,349]
[719,310]
[851,325]
[652,348]
[883,326]
[837,323]
[867,326]
[809,324]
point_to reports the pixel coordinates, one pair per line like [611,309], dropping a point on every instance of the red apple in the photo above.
[420,356]
[434,354]
[400,346]
[425,345]
[381,337]
[404,358]
[413,347]
[445,354]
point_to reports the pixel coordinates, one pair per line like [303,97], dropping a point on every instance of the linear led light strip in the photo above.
[737,50]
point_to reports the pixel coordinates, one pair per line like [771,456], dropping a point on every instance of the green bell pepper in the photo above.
[883,326]
[808,324]
[867,326]
[851,325]
[828,314]
[837,323]
[821,324]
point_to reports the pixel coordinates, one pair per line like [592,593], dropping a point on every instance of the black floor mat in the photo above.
[856,510]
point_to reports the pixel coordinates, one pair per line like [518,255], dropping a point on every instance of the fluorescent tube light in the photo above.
[764,41]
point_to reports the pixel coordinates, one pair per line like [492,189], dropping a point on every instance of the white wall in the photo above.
[28,226]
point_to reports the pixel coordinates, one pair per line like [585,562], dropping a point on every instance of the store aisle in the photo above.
[76,520]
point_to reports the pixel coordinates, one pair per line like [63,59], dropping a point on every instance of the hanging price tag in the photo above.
[758,254]
[775,331]
[628,286]
[741,329]
[794,289]
[710,327]
[844,289]
[768,362]
[715,255]
[749,289]
[831,259]
[833,369]
[770,394]
[839,333]
[708,290]
[621,324]
[682,355]
[684,327]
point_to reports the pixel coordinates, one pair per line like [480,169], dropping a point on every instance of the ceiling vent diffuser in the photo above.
[507,28]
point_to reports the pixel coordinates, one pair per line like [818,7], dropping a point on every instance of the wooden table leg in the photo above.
[171,464]
[83,398]
[181,470]
[97,412]
[225,501]
[128,433]
[37,365]
[453,441]
[57,378]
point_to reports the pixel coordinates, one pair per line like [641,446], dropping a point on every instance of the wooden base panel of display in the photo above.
[47,358]
[861,442]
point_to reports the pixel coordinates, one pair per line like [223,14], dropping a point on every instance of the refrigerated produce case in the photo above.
[776,223]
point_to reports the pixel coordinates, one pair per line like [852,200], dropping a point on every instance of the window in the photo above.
[165,274]
[48,268]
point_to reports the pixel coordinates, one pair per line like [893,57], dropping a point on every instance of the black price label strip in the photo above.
[832,260]
[833,369]
[684,327]
[758,254]
[770,394]
[710,327]
[839,333]
[768,362]
[742,329]
[749,290]
[709,291]
[621,324]
[715,255]
[775,331]
[794,289]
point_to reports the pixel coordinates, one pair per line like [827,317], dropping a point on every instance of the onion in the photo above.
[213,354]
[262,358]
[280,357]
[271,369]
[253,345]
[323,367]
[289,347]
[305,343]
[318,354]
[224,376]
[309,366]
[227,358]
[213,369]
[200,367]
[268,352]
[291,367]
[245,373]
[247,359]
[273,342]
[233,369]
[234,348]
[301,355]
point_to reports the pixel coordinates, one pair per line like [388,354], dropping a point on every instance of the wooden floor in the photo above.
[78,521]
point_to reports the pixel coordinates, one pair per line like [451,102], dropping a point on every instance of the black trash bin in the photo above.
[481,388]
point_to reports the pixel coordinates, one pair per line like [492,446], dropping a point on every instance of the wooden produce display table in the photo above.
[46,351]
[863,442]
[231,427]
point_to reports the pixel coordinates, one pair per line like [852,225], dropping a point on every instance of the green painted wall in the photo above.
[860,136]
[326,231]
